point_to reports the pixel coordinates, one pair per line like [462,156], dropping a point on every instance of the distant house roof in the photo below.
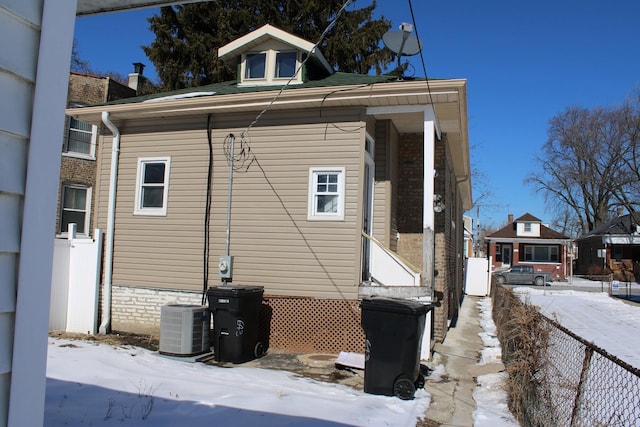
[509,231]
[620,225]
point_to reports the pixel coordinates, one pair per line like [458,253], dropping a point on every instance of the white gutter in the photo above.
[111,212]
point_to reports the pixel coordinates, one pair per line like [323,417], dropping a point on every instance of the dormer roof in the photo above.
[528,218]
[231,52]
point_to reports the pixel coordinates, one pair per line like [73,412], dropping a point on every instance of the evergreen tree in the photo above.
[184,51]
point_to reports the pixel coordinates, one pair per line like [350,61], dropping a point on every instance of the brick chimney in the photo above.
[510,219]
[135,78]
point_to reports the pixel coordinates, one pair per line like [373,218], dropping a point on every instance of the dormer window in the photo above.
[269,56]
[270,67]
[286,63]
[255,65]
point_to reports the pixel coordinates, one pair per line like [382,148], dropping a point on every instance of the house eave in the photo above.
[537,241]
[621,240]
[384,94]
[92,7]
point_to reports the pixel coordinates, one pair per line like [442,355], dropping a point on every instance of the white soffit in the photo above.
[90,7]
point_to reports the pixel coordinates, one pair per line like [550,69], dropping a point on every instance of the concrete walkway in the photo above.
[452,402]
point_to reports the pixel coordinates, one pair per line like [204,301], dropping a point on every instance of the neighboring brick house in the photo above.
[78,165]
[612,248]
[527,241]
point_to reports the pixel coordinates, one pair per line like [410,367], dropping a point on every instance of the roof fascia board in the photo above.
[251,100]
[621,240]
[94,7]
[427,110]
[534,241]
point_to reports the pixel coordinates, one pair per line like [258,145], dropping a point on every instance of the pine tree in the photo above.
[184,51]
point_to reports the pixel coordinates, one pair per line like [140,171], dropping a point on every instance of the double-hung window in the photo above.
[152,187]
[74,206]
[80,139]
[326,194]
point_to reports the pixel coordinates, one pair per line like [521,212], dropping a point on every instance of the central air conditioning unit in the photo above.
[184,330]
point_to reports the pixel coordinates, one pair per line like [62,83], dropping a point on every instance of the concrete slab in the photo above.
[452,402]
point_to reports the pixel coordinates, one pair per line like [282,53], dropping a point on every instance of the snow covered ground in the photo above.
[490,395]
[89,384]
[609,323]
[97,384]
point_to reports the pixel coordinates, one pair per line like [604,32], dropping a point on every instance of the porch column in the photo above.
[428,215]
[428,223]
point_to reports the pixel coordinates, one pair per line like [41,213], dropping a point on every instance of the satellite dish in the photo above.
[402,42]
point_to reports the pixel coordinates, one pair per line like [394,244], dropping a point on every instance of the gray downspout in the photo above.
[113,178]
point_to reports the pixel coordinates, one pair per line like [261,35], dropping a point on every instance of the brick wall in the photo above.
[449,242]
[135,309]
[410,191]
[449,227]
[85,89]
[78,172]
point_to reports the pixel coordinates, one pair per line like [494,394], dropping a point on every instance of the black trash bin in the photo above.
[235,311]
[393,329]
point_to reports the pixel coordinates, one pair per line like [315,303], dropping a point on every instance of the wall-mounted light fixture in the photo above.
[438,204]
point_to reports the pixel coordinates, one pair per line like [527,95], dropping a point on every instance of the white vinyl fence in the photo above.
[75,284]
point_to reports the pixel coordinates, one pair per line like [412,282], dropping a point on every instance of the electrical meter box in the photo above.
[225,267]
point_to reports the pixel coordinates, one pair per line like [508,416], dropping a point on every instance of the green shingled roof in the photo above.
[231,87]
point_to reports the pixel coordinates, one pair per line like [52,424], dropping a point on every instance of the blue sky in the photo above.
[524,63]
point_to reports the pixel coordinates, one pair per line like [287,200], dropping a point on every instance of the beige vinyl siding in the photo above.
[273,243]
[386,158]
[381,212]
[162,251]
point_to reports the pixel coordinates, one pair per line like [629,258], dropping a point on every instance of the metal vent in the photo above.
[184,329]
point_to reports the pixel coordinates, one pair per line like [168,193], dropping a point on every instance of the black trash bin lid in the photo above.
[394,305]
[235,291]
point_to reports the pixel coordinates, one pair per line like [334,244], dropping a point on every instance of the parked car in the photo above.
[521,274]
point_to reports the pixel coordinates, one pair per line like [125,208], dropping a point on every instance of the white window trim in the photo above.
[138,209]
[75,154]
[87,209]
[270,69]
[266,67]
[312,215]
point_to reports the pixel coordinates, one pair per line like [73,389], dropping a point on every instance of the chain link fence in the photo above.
[556,378]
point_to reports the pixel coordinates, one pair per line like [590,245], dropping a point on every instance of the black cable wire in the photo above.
[315,46]
[207,214]
[424,68]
